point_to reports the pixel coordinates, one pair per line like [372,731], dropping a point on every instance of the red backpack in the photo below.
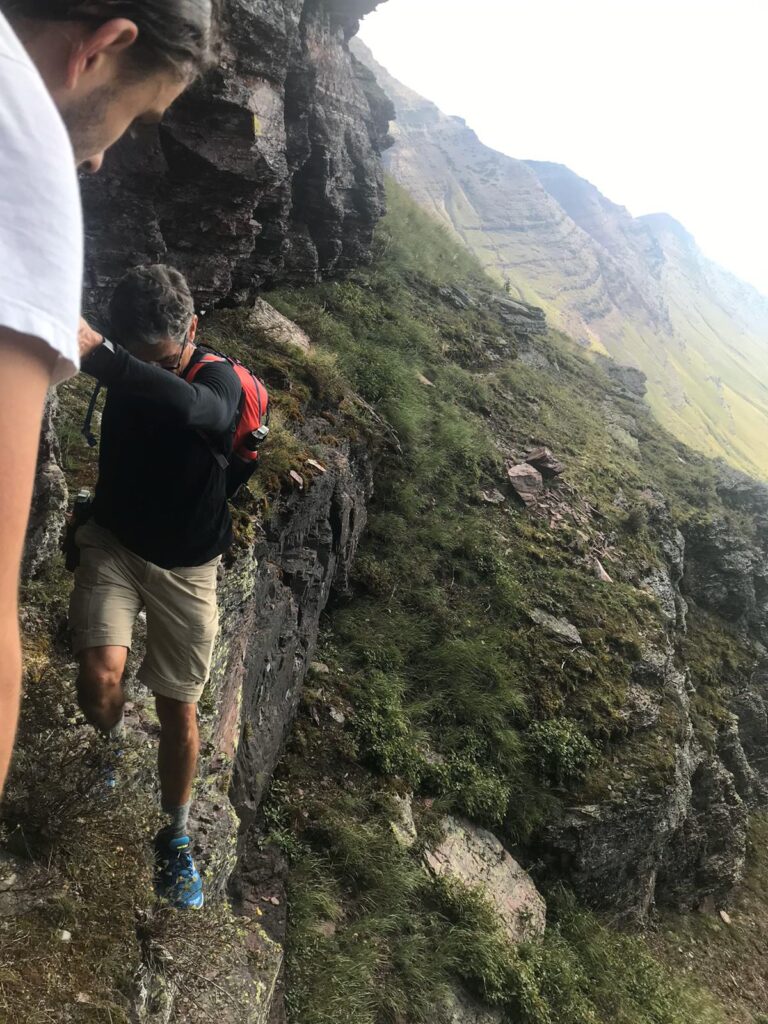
[252,424]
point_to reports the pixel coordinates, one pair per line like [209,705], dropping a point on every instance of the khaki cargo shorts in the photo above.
[112,585]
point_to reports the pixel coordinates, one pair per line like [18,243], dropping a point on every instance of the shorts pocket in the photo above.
[202,641]
[104,601]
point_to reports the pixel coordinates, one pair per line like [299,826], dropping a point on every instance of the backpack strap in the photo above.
[88,421]
[189,376]
[209,357]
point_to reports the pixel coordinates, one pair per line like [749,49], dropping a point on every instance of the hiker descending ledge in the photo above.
[180,429]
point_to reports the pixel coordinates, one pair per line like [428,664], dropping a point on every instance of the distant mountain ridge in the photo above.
[638,289]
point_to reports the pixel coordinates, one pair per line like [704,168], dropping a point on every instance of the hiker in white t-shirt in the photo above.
[74,75]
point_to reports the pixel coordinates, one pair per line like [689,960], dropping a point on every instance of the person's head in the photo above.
[109,63]
[152,314]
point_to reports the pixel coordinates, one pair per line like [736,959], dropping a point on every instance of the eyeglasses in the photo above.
[172,368]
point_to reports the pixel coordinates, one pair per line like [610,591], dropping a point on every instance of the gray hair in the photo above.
[151,305]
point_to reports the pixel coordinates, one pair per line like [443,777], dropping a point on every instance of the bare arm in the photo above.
[25,373]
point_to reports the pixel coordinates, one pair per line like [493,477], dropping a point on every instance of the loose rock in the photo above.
[560,629]
[266,320]
[527,482]
[492,497]
[545,462]
[600,572]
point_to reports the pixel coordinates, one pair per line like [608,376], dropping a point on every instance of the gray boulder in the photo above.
[527,483]
[476,858]
[560,629]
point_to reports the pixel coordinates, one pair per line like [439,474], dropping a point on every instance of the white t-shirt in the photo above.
[41,222]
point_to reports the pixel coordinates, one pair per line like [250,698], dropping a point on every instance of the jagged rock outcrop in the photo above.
[628,382]
[306,551]
[726,574]
[679,838]
[268,169]
[679,843]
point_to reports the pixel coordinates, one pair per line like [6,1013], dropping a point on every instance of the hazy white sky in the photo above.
[662,104]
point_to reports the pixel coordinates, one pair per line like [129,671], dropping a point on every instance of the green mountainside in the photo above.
[439,687]
[579,677]
[485,739]
[638,289]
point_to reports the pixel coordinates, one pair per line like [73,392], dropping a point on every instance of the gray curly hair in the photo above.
[151,305]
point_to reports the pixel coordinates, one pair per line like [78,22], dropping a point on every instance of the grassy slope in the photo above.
[727,422]
[444,686]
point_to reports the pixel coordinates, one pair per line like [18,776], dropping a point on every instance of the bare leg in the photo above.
[176,877]
[100,685]
[179,748]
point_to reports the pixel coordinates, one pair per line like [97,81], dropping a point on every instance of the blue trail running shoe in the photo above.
[111,768]
[176,877]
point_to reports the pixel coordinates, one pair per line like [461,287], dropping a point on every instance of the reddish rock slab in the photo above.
[476,858]
[545,462]
[527,483]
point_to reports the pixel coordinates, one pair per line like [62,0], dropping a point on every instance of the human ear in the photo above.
[192,333]
[92,49]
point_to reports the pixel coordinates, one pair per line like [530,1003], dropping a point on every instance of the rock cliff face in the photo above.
[638,289]
[681,841]
[307,550]
[267,170]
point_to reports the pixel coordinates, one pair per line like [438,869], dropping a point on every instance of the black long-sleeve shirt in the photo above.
[160,489]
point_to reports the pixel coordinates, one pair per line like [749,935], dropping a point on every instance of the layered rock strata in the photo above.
[268,169]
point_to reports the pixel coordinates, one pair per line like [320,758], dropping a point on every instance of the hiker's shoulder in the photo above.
[41,229]
[215,367]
